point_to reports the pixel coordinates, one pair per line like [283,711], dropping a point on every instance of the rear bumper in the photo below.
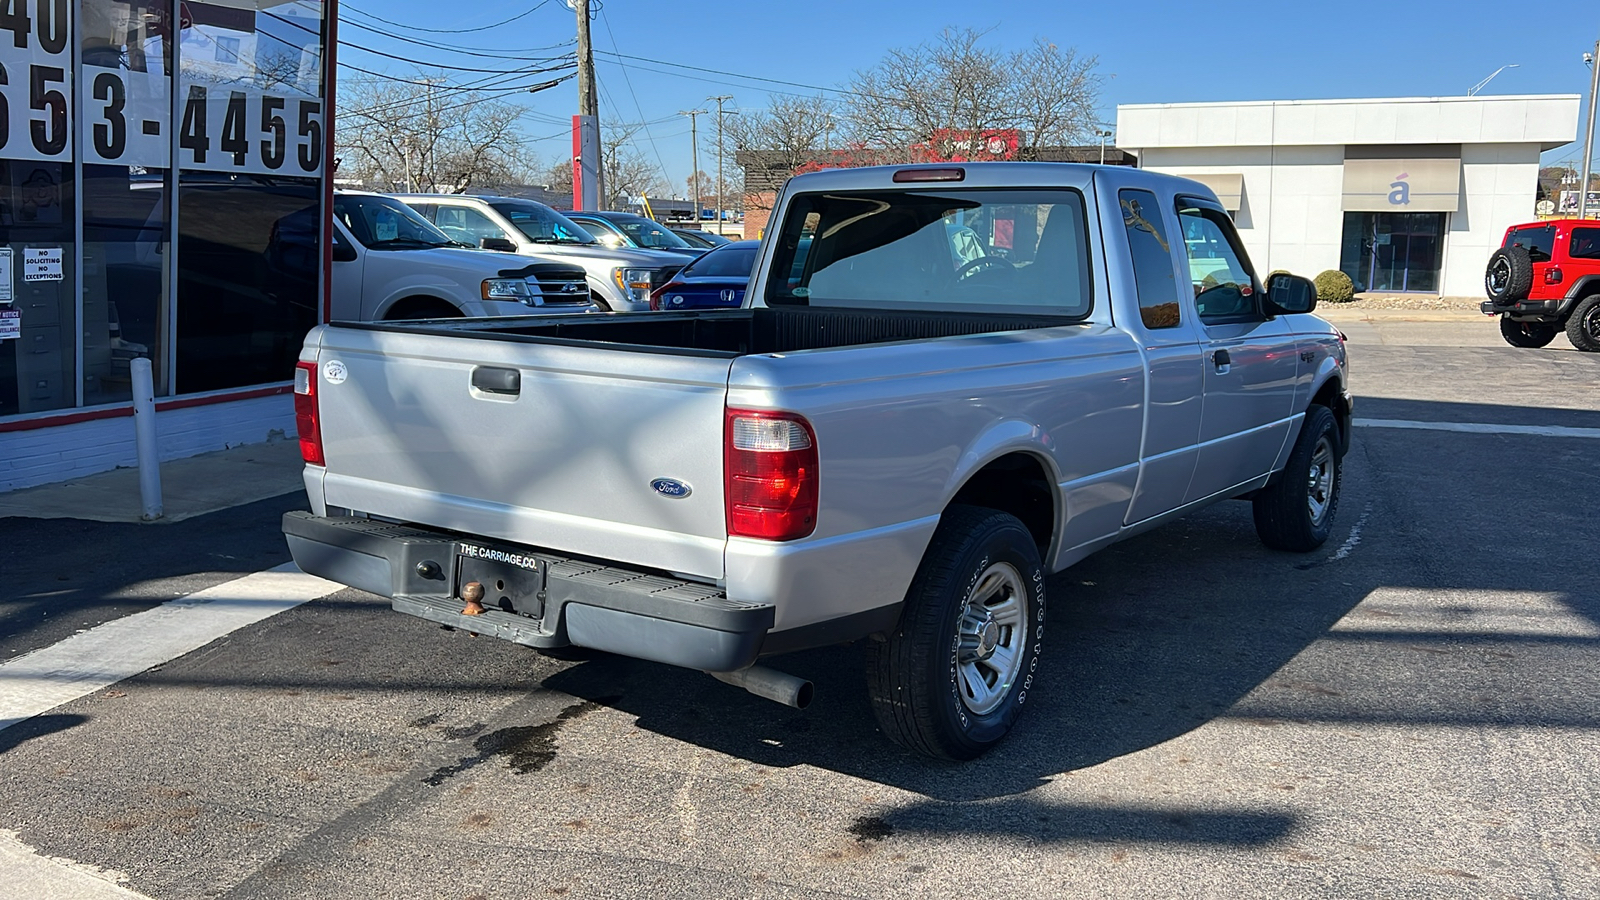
[570,601]
[1536,310]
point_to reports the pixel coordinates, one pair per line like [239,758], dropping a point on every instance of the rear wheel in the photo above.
[953,676]
[1583,327]
[1531,335]
[1296,512]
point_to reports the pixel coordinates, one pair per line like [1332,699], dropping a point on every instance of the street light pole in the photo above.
[1588,132]
[721,99]
[694,156]
[1103,135]
[1472,91]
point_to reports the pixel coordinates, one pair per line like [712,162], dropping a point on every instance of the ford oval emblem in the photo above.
[671,487]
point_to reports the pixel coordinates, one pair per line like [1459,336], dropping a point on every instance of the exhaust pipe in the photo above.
[771,684]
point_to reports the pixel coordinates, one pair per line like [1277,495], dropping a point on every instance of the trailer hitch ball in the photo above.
[472,592]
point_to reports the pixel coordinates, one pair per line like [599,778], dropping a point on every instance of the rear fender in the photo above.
[1004,438]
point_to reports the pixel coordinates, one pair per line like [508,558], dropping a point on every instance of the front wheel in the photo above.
[952,678]
[1583,328]
[1529,335]
[1296,512]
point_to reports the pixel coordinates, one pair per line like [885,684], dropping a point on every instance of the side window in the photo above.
[466,225]
[1152,259]
[425,210]
[1223,287]
[1585,243]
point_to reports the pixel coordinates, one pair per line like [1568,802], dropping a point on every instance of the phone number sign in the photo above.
[127,117]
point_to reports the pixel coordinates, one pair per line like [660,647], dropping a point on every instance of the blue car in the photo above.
[714,281]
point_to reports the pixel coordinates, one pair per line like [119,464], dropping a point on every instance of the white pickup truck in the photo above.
[390,263]
[892,441]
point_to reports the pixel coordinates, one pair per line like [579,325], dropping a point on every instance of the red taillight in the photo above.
[306,420]
[655,295]
[1552,275]
[770,461]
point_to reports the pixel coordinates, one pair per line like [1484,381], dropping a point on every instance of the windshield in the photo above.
[646,233]
[384,223]
[732,261]
[543,225]
[969,250]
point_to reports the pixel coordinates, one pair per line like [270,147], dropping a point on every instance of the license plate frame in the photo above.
[512,582]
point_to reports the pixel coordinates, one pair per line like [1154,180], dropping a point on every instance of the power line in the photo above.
[489,52]
[606,21]
[812,87]
[423,63]
[523,14]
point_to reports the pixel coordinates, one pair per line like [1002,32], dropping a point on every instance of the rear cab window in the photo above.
[1538,240]
[1005,251]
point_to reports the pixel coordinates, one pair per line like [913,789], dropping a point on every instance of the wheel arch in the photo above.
[1019,481]
[417,299]
[1331,393]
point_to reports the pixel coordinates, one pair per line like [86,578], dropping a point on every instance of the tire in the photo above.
[1583,326]
[1509,275]
[422,308]
[1530,335]
[952,678]
[1296,512]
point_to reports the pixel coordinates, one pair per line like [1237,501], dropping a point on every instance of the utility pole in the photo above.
[720,100]
[588,178]
[694,154]
[1588,132]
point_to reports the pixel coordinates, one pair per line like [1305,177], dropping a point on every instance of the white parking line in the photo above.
[27,874]
[104,655]
[1483,428]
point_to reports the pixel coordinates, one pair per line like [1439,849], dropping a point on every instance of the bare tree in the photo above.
[394,134]
[953,97]
[628,171]
[796,129]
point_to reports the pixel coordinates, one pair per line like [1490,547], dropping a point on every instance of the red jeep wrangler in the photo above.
[1545,277]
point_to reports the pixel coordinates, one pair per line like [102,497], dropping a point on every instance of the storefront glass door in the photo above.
[1393,251]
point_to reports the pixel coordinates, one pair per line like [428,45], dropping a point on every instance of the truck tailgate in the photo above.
[566,461]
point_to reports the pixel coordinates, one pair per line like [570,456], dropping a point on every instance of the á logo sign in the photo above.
[1400,191]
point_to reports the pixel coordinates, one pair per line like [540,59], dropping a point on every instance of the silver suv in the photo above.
[620,278]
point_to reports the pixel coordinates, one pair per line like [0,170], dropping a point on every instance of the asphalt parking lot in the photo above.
[1410,712]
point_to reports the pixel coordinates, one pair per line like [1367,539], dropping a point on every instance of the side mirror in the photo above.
[1290,294]
[503,245]
[343,252]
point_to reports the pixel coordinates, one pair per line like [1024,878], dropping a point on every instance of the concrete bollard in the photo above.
[144,430]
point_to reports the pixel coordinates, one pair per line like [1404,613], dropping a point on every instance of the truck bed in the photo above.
[729,333]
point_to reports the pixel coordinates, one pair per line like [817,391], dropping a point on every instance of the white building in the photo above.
[1406,194]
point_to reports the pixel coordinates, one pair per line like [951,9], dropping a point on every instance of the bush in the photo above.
[1334,286]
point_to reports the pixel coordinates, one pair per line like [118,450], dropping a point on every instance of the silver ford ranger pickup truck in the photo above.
[946,383]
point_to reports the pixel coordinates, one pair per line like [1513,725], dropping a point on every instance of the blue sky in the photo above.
[1149,52]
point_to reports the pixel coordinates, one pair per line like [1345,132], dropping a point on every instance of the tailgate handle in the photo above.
[492,380]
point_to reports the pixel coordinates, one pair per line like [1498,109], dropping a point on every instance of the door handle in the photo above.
[1222,361]
[493,380]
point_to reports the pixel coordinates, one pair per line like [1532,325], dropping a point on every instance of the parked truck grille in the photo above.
[562,292]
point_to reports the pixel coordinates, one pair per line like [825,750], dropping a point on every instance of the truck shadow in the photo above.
[1399,619]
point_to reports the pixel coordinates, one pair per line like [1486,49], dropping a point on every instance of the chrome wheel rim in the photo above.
[993,633]
[1319,495]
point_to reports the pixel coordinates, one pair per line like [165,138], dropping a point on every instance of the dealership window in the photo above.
[1393,251]
[110,251]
